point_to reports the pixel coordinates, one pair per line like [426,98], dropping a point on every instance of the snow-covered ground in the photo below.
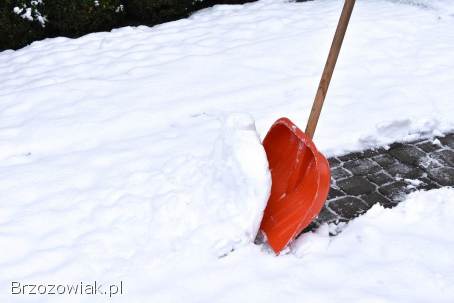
[132,155]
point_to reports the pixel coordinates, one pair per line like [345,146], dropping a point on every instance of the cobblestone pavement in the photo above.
[385,176]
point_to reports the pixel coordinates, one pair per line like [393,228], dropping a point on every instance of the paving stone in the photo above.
[384,160]
[348,207]
[326,216]
[406,153]
[362,166]
[428,146]
[361,154]
[311,227]
[443,175]
[447,140]
[259,238]
[380,178]
[333,162]
[395,145]
[373,152]
[396,190]
[428,184]
[351,156]
[446,157]
[361,179]
[339,173]
[430,162]
[356,185]
[415,142]
[404,171]
[414,173]
[375,197]
[334,193]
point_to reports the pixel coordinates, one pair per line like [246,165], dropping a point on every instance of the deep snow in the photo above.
[132,155]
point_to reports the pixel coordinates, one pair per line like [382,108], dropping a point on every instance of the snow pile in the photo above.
[413,237]
[215,202]
[404,254]
[207,194]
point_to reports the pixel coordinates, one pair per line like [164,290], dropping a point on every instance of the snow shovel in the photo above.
[300,173]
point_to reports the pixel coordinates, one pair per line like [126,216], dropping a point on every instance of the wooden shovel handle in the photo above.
[329,67]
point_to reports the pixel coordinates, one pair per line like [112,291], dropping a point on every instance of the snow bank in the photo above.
[392,81]
[101,213]
[404,254]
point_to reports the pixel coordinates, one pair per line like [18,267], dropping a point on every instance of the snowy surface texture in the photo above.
[133,155]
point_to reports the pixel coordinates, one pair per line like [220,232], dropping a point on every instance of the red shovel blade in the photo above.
[300,183]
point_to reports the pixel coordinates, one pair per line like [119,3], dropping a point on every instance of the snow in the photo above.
[30,13]
[133,155]
[396,59]
[402,254]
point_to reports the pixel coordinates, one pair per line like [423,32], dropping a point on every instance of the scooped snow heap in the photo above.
[217,203]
